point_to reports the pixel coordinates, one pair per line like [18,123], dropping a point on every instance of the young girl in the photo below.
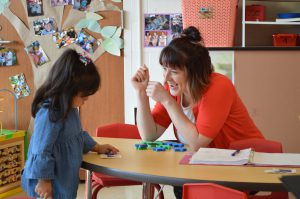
[58,141]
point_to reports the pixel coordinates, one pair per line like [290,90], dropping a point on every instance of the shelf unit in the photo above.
[263,29]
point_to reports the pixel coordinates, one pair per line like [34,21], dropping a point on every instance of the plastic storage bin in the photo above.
[255,13]
[215,20]
[284,39]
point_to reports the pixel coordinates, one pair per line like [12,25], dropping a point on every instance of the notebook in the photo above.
[214,156]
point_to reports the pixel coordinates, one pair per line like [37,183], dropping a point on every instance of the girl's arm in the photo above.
[105,149]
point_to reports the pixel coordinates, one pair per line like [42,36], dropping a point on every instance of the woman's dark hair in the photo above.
[68,77]
[189,54]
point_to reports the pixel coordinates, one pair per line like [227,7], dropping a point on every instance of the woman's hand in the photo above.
[105,149]
[141,78]
[157,92]
[44,189]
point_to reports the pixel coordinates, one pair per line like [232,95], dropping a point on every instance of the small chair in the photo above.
[210,191]
[116,130]
[261,145]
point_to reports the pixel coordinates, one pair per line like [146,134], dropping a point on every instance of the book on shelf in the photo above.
[295,19]
[214,156]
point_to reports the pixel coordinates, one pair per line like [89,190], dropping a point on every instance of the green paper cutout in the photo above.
[117,1]
[3,5]
[111,46]
[119,42]
[108,31]
[83,23]
[117,33]
[93,16]
[94,26]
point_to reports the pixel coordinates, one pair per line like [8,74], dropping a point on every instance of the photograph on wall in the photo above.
[64,37]
[81,5]
[61,2]
[7,57]
[45,26]
[34,7]
[88,43]
[37,53]
[223,62]
[19,85]
[160,29]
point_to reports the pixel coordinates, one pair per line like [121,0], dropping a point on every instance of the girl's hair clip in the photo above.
[84,58]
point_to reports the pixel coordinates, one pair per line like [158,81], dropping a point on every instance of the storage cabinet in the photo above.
[259,33]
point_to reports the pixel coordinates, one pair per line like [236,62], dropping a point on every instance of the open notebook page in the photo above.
[214,156]
[276,159]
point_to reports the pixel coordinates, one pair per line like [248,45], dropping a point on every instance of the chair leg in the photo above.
[158,188]
[95,191]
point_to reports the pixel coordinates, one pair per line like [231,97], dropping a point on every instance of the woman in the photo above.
[203,106]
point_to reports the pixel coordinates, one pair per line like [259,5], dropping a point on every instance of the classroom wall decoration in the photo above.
[7,57]
[19,85]
[47,33]
[160,29]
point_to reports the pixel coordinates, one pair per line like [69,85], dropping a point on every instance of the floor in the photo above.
[124,192]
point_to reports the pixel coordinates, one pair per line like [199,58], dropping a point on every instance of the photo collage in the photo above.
[19,85]
[160,29]
[35,7]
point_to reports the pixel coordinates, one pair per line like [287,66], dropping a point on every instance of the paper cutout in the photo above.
[7,57]
[19,85]
[3,5]
[37,53]
[83,23]
[94,26]
[108,31]
[117,1]
[118,33]
[111,46]
[93,16]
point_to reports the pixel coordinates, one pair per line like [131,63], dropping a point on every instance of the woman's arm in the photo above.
[148,129]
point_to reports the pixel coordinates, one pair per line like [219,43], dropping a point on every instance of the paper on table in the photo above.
[276,159]
[214,156]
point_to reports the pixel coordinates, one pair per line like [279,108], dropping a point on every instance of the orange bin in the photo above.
[285,40]
[215,20]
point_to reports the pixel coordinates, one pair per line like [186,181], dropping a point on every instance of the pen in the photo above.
[235,152]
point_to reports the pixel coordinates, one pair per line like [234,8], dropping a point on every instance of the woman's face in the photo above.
[78,100]
[176,79]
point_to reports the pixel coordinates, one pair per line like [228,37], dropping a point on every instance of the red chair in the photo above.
[261,145]
[210,191]
[116,130]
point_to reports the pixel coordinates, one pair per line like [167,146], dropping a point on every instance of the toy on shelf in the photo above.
[12,150]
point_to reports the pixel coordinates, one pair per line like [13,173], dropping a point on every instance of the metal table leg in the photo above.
[88,187]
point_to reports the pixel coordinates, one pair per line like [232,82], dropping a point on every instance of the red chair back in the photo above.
[118,130]
[210,191]
[261,145]
[258,144]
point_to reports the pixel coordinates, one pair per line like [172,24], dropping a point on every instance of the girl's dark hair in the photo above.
[68,77]
[188,53]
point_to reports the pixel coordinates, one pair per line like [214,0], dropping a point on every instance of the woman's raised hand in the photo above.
[157,92]
[141,78]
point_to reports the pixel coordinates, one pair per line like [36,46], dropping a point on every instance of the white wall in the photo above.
[134,53]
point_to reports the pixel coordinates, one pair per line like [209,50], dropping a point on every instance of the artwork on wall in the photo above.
[7,57]
[45,26]
[160,29]
[19,85]
[37,53]
[34,8]
[61,2]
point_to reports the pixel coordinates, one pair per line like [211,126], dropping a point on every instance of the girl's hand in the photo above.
[141,78]
[157,92]
[105,149]
[44,189]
